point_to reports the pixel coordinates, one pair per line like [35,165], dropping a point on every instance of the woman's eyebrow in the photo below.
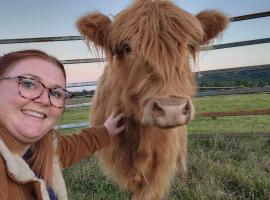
[39,79]
[32,76]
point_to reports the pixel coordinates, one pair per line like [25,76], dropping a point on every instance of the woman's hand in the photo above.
[114,124]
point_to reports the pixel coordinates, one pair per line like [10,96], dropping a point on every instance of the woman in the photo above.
[32,153]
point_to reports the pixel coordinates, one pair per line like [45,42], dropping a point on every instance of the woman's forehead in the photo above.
[46,71]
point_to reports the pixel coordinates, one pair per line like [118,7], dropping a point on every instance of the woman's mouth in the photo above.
[33,113]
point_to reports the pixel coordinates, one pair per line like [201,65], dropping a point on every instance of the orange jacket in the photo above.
[18,181]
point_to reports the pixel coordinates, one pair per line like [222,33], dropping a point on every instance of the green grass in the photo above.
[219,168]
[225,103]
[239,124]
[85,181]
[78,100]
[75,115]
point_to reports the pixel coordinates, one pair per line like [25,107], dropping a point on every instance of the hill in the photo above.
[244,76]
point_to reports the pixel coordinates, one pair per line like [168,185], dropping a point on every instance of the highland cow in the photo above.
[149,78]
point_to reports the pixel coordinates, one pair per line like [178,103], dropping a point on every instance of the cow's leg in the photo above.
[136,176]
[182,170]
[141,182]
[182,166]
[153,174]
[154,185]
[148,190]
[144,196]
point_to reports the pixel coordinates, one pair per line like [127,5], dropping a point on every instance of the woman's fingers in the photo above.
[115,123]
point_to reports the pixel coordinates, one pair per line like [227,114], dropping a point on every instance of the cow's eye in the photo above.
[123,48]
[126,48]
[191,47]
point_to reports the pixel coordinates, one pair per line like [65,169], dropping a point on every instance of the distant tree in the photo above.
[91,92]
[261,84]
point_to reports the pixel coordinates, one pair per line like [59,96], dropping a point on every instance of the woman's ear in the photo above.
[94,27]
[213,23]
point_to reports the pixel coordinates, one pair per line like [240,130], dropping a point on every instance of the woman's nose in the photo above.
[44,98]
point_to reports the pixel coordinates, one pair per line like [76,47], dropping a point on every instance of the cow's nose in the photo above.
[168,112]
[177,110]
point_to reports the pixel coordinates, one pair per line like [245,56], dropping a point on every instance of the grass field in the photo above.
[219,168]
[240,124]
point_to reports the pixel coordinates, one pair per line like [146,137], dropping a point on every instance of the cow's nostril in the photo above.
[157,109]
[186,109]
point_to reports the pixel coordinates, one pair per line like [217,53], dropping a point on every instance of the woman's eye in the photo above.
[28,84]
[56,94]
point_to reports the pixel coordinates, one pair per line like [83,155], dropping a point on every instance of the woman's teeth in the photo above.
[33,114]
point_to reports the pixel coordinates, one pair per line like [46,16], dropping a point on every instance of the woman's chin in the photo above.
[32,133]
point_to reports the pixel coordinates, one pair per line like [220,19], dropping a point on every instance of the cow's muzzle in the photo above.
[168,112]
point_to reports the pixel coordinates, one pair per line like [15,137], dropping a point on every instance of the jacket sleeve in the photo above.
[75,147]
[3,181]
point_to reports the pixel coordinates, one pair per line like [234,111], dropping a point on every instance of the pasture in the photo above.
[219,167]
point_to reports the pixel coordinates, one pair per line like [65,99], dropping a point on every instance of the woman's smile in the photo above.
[33,113]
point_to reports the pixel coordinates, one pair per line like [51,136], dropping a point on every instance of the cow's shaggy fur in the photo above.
[148,46]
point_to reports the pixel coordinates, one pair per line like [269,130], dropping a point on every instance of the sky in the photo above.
[50,18]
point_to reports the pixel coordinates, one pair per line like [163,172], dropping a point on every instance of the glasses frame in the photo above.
[20,78]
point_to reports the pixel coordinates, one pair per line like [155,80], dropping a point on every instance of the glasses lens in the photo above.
[30,88]
[58,96]
[69,94]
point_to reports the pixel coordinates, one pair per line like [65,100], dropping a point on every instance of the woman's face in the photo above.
[29,120]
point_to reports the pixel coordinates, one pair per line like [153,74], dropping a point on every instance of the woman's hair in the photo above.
[12,58]
[42,150]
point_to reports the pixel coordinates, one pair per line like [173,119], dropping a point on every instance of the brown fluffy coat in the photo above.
[148,46]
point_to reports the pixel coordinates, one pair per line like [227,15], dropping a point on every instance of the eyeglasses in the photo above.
[30,88]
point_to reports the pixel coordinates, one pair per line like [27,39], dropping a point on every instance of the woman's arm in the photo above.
[76,147]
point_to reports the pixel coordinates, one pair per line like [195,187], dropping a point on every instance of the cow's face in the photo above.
[149,46]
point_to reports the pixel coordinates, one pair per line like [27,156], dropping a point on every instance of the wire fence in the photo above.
[209,92]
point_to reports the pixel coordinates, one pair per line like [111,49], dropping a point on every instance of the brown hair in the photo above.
[12,58]
[42,150]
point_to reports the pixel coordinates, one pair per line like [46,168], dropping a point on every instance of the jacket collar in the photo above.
[20,172]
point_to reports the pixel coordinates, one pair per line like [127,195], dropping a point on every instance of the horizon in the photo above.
[91,85]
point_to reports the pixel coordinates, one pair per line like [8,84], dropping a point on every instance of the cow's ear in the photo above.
[213,23]
[94,27]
